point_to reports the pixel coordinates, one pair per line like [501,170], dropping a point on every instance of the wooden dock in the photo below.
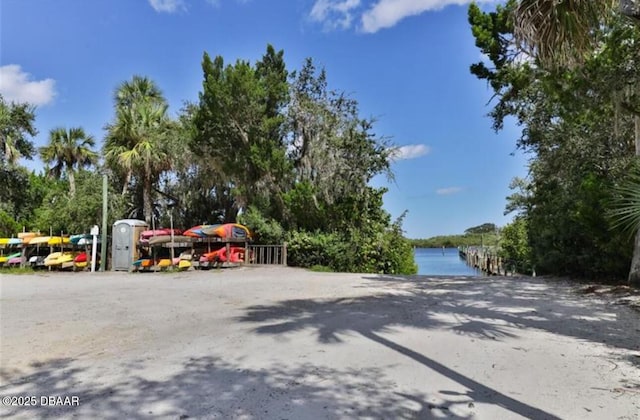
[485,259]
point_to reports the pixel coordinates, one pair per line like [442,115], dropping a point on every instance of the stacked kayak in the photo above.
[10,259]
[80,261]
[236,255]
[59,260]
[227,231]
[199,231]
[147,235]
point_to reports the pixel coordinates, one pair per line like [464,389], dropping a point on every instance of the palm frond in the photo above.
[559,32]
[625,209]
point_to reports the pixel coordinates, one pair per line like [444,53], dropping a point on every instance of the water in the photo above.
[447,262]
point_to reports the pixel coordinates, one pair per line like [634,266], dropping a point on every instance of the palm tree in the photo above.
[68,150]
[138,142]
[127,96]
[139,89]
[561,32]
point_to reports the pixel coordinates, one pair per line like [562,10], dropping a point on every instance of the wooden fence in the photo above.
[267,254]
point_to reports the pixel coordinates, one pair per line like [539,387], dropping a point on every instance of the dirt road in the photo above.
[290,344]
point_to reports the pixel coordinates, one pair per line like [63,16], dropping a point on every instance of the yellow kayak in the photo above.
[164,263]
[58,240]
[58,258]
[184,264]
[39,240]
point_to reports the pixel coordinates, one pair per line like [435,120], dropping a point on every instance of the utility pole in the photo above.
[105,236]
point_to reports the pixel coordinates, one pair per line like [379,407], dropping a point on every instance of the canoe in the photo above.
[184,264]
[4,241]
[81,257]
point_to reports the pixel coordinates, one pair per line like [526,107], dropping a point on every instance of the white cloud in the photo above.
[334,14]
[387,13]
[16,86]
[448,190]
[411,151]
[167,6]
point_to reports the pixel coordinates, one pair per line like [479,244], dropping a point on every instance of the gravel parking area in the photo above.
[283,343]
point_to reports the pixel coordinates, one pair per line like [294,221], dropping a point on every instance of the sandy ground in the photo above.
[276,343]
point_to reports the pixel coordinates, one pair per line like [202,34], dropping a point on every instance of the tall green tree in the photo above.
[239,131]
[67,151]
[293,159]
[576,125]
[334,152]
[58,212]
[564,32]
[16,125]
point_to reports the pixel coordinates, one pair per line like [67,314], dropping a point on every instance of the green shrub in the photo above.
[386,253]
[265,231]
[514,246]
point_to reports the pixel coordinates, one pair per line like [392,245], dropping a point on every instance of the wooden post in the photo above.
[284,254]
[23,254]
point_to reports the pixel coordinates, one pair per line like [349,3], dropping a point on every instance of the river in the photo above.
[442,262]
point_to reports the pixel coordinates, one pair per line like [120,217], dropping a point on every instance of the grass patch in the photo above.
[321,269]
[17,270]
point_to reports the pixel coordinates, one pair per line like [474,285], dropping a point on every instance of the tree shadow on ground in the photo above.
[214,388]
[493,309]
[526,303]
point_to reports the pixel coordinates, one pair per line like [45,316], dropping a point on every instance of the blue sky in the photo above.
[405,61]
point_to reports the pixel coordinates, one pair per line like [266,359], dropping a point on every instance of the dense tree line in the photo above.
[275,149]
[454,241]
[579,107]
